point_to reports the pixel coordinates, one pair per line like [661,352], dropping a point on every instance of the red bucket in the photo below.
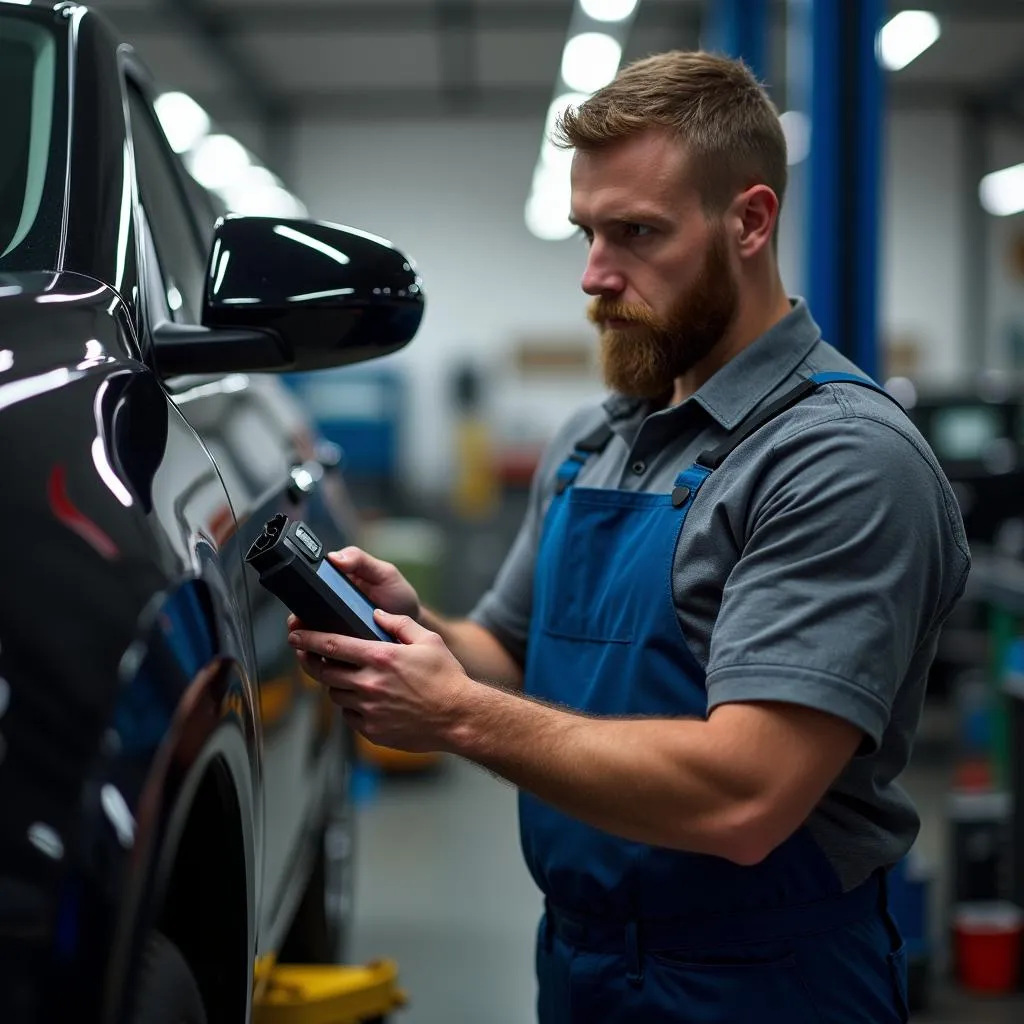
[987,939]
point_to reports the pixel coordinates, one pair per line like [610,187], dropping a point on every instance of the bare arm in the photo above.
[736,785]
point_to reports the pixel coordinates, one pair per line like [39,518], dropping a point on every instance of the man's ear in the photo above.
[754,214]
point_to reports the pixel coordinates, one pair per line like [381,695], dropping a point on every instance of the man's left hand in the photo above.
[403,695]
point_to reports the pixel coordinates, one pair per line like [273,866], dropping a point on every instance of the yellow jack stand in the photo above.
[327,994]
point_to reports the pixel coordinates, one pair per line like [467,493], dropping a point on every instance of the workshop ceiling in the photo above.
[277,60]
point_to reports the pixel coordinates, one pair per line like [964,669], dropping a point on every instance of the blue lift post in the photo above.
[846,96]
[739,28]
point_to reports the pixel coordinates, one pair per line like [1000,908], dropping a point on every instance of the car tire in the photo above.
[320,930]
[167,992]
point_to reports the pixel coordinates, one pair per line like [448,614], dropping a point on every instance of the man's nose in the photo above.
[601,277]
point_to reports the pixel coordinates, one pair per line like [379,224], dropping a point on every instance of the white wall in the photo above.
[922,271]
[451,194]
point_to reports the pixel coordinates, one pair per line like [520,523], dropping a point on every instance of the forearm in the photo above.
[670,782]
[479,652]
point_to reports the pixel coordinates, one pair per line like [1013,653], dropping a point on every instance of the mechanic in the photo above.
[703,673]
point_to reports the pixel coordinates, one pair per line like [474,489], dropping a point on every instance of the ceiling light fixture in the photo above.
[796,126]
[184,122]
[905,37]
[590,61]
[608,10]
[217,161]
[1002,192]
[267,200]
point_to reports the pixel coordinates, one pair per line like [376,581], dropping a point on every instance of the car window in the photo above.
[181,256]
[28,84]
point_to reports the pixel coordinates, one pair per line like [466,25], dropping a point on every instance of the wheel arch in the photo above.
[198,815]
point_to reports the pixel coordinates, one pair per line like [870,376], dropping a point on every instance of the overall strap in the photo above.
[593,444]
[714,457]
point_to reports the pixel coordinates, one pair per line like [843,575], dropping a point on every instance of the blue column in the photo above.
[844,206]
[739,28]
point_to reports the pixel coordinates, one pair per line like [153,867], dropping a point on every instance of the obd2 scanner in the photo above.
[292,564]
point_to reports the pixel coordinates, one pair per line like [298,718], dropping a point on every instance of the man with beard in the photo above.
[704,659]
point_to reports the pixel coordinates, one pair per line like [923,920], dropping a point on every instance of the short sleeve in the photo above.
[851,561]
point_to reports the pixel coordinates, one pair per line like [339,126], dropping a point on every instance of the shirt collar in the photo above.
[739,386]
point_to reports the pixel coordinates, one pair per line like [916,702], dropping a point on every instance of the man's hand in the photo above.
[380,581]
[403,695]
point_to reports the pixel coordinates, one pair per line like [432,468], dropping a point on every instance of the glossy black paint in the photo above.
[99,232]
[333,295]
[137,661]
[188,348]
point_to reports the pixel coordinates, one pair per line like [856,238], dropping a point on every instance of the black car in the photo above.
[172,787]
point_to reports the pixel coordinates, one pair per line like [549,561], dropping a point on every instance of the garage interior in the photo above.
[424,121]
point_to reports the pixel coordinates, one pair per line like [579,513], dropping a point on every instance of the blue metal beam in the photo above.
[739,28]
[844,207]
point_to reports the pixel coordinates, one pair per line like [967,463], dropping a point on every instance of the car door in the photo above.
[255,460]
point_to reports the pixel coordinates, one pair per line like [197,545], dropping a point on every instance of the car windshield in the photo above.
[29,76]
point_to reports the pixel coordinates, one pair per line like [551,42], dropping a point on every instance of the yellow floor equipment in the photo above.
[332,994]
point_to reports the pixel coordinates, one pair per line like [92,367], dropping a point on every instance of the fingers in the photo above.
[403,628]
[334,646]
[356,562]
[334,675]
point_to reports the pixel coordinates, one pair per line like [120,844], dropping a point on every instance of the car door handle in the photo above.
[305,478]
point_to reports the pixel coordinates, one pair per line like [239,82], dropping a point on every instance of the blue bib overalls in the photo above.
[640,934]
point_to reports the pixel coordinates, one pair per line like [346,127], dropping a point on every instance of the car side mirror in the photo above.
[295,295]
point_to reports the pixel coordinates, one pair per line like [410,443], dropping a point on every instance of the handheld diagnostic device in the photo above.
[292,565]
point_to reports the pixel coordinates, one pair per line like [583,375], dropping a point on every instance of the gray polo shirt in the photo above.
[816,565]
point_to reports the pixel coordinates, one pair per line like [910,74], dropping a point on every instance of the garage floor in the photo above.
[442,889]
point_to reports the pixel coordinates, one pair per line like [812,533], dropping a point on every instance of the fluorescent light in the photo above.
[261,200]
[590,61]
[1002,192]
[547,209]
[608,10]
[547,222]
[796,126]
[555,158]
[184,122]
[217,161]
[255,176]
[905,37]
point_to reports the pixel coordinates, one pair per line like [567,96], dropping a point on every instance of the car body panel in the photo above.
[137,654]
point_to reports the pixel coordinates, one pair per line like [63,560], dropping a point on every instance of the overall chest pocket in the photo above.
[611,566]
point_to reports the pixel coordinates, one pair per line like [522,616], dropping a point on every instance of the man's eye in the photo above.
[638,230]
[587,236]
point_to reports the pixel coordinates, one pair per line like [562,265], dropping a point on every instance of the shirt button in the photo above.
[638,467]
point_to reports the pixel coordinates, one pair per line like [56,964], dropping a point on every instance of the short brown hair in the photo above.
[714,104]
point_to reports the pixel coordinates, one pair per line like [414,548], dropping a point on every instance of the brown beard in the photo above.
[643,360]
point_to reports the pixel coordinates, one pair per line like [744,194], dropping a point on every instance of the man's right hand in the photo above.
[380,581]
